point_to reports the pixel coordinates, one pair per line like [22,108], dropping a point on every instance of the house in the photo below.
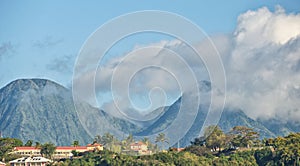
[60,152]
[177,149]
[2,164]
[137,146]
[26,151]
[66,151]
[30,161]
[140,148]
[95,146]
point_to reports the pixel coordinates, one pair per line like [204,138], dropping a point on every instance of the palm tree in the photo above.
[37,145]
[29,143]
[146,141]
[98,139]
[161,138]
[75,143]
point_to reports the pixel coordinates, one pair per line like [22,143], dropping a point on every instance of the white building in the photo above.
[2,164]
[30,161]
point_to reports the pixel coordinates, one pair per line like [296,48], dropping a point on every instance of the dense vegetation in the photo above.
[240,146]
[278,151]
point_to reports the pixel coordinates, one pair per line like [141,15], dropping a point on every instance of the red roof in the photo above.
[71,148]
[25,148]
[57,148]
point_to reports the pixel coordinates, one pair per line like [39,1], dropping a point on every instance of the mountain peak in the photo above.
[35,83]
[39,109]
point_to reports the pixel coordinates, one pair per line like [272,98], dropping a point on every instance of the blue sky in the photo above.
[43,38]
[67,24]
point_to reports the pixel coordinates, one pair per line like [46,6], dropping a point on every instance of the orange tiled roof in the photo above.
[71,147]
[25,148]
[57,148]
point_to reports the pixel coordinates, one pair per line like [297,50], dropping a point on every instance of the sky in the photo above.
[42,39]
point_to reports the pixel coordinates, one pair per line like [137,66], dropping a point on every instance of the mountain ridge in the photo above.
[43,110]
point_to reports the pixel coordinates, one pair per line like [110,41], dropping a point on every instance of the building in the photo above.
[95,146]
[177,149]
[2,164]
[27,151]
[60,152]
[66,151]
[30,161]
[140,148]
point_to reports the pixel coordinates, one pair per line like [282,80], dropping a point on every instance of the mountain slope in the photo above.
[279,127]
[228,120]
[40,110]
[44,111]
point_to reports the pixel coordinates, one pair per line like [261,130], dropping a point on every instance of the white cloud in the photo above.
[262,71]
[261,59]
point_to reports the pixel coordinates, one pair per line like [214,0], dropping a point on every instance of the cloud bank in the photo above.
[261,59]
[263,64]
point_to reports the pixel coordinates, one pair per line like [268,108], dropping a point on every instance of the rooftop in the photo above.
[30,159]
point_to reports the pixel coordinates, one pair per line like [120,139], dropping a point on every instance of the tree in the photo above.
[200,141]
[98,139]
[243,136]
[75,153]
[48,149]
[215,138]
[37,145]
[127,142]
[146,141]
[161,138]
[6,146]
[108,140]
[129,139]
[29,143]
[75,143]
[198,150]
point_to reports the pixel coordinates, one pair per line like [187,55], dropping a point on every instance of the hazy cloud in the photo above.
[6,48]
[46,42]
[63,64]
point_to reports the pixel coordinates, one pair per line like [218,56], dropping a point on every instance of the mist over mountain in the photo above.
[43,111]
[229,119]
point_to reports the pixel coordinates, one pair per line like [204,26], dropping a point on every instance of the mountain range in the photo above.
[43,111]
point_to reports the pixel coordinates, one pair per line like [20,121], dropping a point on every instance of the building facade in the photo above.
[30,161]
[60,152]
[2,164]
[140,148]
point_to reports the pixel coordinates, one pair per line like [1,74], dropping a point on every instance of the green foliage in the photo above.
[75,143]
[215,138]
[7,145]
[37,145]
[75,153]
[286,152]
[278,151]
[243,136]
[198,150]
[29,143]
[283,151]
[48,149]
